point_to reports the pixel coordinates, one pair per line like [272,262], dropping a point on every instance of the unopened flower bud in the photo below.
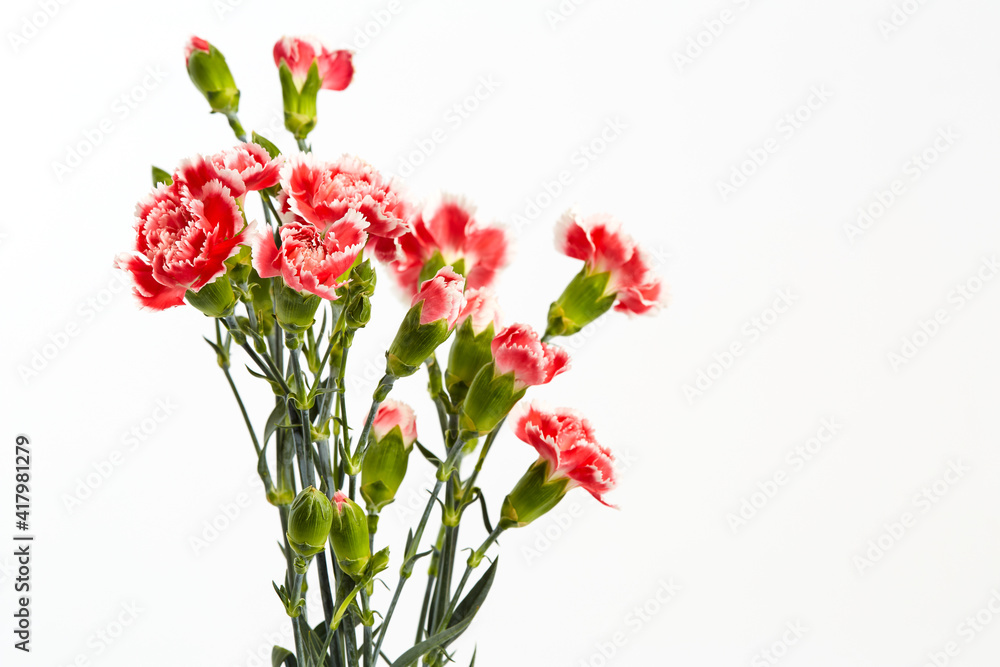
[392,436]
[309,521]
[359,312]
[583,301]
[211,76]
[428,323]
[349,535]
[474,335]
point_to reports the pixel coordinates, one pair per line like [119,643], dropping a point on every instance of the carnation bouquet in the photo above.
[290,292]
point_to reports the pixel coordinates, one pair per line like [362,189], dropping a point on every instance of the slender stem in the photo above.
[243,409]
[234,122]
[423,610]
[290,576]
[383,389]
[472,564]
[407,569]
[367,647]
[471,483]
[303,146]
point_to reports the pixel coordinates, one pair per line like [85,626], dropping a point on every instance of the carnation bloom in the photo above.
[311,259]
[442,298]
[482,307]
[566,442]
[599,241]
[391,414]
[182,242]
[322,192]
[335,67]
[195,44]
[518,350]
[243,168]
[446,232]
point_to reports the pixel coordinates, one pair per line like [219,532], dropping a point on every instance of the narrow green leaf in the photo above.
[468,607]
[274,421]
[281,656]
[440,639]
[428,454]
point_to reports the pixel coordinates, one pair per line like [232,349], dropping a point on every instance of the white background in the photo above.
[569,586]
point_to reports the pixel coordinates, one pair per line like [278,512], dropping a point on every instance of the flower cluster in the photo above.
[188,229]
[305,276]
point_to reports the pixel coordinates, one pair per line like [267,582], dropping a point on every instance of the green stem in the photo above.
[234,122]
[471,483]
[407,569]
[473,563]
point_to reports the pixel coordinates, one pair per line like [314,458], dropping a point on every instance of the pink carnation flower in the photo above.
[195,44]
[182,242]
[322,192]
[311,259]
[566,442]
[335,67]
[599,241]
[480,305]
[442,297]
[391,414]
[242,168]
[517,349]
[447,226]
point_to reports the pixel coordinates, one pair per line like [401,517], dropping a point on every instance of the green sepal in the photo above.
[414,343]
[436,263]
[533,495]
[583,301]
[211,76]
[160,176]
[309,521]
[349,538]
[383,469]
[468,355]
[299,104]
[489,400]
[216,299]
[294,311]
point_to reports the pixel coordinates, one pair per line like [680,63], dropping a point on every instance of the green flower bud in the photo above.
[294,311]
[239,266]
[363,277]
[309,521]
[582,302]
[260,295]
[533,496]
[215,299]
[359,312]
[349,535]
[211,76]
[427,324]
[393,433]
[471,350]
